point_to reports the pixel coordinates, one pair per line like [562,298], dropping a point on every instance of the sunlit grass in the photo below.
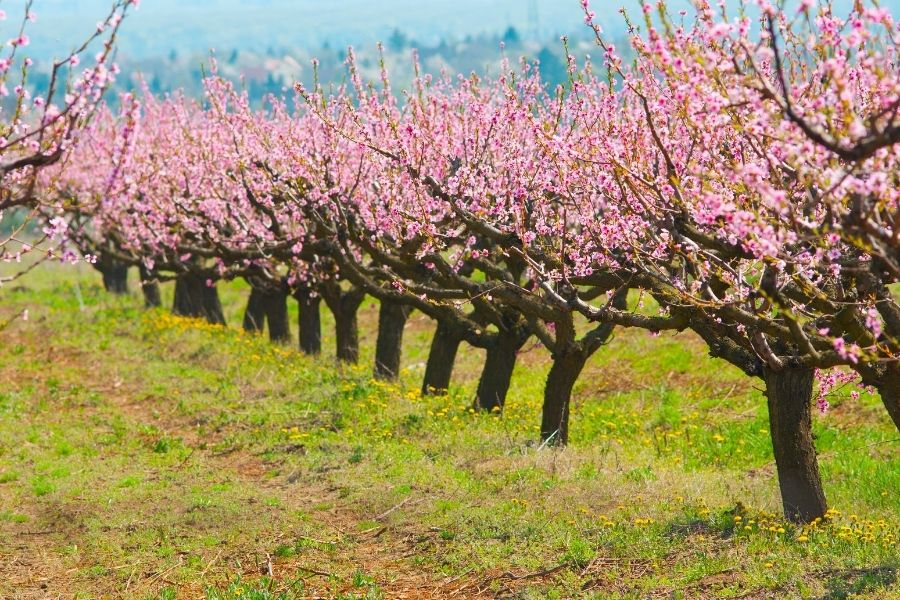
[172,441]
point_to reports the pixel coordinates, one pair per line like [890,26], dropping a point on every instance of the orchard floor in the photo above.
[146,456]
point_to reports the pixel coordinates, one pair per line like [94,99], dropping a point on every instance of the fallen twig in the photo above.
[392,509]
[315,571]
[210,564]
[536,574]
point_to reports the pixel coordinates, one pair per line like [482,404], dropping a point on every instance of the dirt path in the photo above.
[337,552]
[340,558]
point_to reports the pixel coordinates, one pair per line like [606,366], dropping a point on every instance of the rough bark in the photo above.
[567,366]
[254,314]
[789,395]
[388,347]
[497,371]
[275,307]
[115,275]
[344,305]
[150,288]
[441,357]
[310,321]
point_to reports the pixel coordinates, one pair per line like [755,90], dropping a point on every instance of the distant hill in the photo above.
[268,44]
[191,26]
[197,25]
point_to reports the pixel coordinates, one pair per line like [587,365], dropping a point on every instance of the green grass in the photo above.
[147,456]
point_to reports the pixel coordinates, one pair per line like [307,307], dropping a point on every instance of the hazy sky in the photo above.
[198,25]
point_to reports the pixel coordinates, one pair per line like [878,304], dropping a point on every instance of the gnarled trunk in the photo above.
[789,395]
[444,346]
[275,306]
[193,298]
[150,288]
[567,366]
[310,321]
[497,371]
[391,322]
[115,275]
[255,313]
[344,305]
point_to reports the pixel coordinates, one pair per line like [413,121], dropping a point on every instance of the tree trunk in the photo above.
[889,390]
[497,371]
[346,333]
[212,306]
[789,394]
[188,301]
[254,314]
[150,288]
[310,321]
[886,379]
[344,305]
[557,394]
[441,357]
[391,321]
[115,275]
[275,306]
[193,298]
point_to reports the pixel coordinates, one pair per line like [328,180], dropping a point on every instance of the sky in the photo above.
[196,26]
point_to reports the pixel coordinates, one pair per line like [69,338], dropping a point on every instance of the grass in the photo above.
[148,456]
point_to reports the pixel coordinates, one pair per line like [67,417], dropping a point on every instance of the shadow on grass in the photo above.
[845,583]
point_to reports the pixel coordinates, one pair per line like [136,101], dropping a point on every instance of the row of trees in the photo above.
[740,177]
